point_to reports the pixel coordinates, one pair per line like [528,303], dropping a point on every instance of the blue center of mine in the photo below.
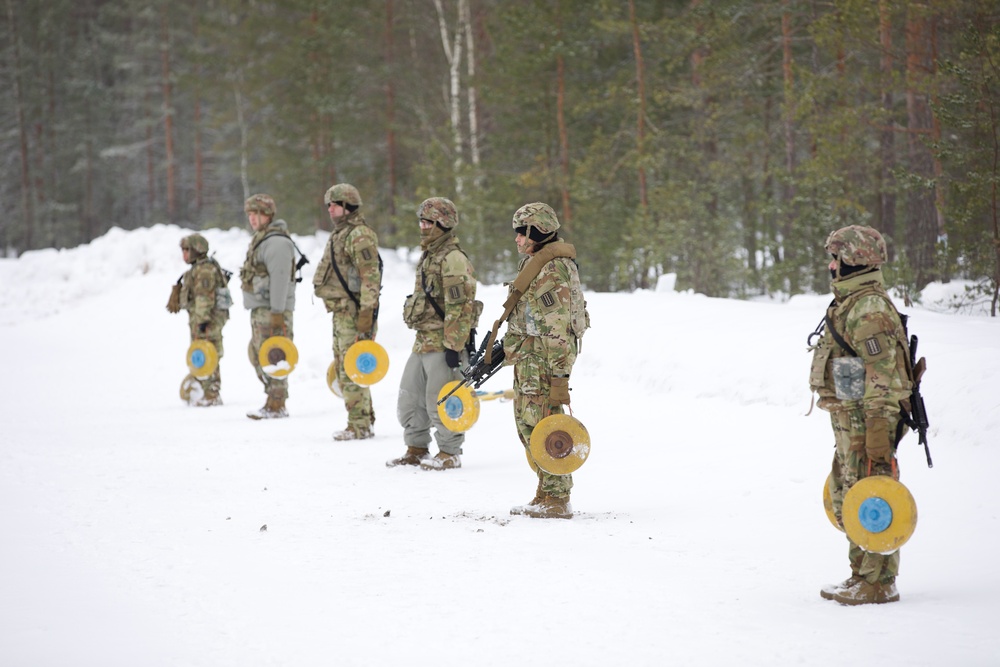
[453,407]
[875,515]
[198,358]
[367,362]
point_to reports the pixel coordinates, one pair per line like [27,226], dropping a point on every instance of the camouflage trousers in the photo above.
[357,399]
[260,330]
[531,405]
[212,385]
[424,375]
[850,465]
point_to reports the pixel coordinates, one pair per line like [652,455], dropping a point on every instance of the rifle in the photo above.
[478,372]
[917,418]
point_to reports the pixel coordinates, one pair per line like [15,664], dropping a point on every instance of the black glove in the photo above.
[451,358]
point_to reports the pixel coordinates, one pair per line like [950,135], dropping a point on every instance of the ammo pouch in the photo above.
[413,310]
[849,378]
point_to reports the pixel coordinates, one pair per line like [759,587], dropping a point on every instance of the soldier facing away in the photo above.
[205,296]
[349,279]
[860,369]
[268,282]
[444,312]
[542,342]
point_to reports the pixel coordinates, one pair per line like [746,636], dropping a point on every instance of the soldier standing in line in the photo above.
[268,282]
[205,296]
[444,312]
[542,342]
[349,279]
[860,370]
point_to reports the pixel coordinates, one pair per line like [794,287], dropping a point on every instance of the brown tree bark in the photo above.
[390,107]
[788,253]
[885,214]
[567,209]
[640,129]
[168,114]
[27,206]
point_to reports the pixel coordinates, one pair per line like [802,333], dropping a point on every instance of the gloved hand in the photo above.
[559,389]
[174,302]
[451,358]
[277,324]
[364,323]
[878,444]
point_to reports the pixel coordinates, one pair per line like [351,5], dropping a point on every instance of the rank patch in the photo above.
[548,300]
[873,347]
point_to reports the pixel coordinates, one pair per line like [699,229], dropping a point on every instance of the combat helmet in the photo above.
[344,193]
[537,215]
[858,246]
[260,203]
[440,211]
[196,245]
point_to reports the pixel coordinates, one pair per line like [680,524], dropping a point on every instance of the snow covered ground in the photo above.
[132,523]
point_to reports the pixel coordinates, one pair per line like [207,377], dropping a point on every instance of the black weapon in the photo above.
[478,372]
[917,418]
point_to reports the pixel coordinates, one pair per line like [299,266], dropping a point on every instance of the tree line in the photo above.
[721,140]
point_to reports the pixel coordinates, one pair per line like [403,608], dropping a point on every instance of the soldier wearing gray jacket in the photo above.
[268,282]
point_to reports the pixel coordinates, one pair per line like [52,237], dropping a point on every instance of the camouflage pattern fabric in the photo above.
[353,245]
[866,319]
[260,330]
[858,245]
[198,298]
[357,399]
[540,343]
[447,274]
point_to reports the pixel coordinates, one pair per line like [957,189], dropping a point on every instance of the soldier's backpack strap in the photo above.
[523,281]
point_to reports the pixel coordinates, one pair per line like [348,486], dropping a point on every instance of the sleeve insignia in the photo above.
[454,292]
[547,299]
[366,254]
[873,347]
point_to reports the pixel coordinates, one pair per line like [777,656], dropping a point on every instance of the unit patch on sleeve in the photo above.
[366,254]
[548,299]
[873,347]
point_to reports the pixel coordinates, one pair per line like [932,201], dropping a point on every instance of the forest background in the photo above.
[718,140]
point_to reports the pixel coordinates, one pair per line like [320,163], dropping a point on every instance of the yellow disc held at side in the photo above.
[828,503]
[531,461]
[278,356]
[461,411]
[366,362]
[880,514]
[332,381]
[560,444]
[202,358]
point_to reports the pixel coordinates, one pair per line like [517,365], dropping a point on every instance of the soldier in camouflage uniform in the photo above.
[444,312]
[349,279]
[862,381]
[541,343]
[204,295]
[268,282]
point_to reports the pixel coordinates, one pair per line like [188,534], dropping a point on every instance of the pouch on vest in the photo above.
[849,378]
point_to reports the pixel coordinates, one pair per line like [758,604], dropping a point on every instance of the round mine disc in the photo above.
[188,384]
[560,444]
[880,514]
[332,381]
[461,411]
[531,461]
[366,362]
[828,503]
[278,356]
[202,358]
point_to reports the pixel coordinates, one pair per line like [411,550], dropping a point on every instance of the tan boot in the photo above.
[412,457]
[547,507]
[864,593]
[520,509]
[830,590]
[442,461]
[274,408]
[354,433]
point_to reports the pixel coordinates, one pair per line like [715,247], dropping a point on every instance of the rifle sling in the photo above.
[523,281]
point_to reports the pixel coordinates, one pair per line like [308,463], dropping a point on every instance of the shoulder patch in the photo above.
[873,346]
[366,254]
[548,299]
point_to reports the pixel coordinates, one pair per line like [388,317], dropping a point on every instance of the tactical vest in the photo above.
[419,312]
[223,298]
[326,284]
[254,271]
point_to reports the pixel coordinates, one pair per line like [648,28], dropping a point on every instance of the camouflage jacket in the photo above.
[268,273]
[200,296]
[542,322]
[353,247]
[446,276]
[878,378]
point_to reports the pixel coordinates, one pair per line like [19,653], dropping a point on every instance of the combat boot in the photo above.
[830,590]
[442,461]
[208,401]
[547,507]
[354,433]
[412,457]
[274,408]
[864,593]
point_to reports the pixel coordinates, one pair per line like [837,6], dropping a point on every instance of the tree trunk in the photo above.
[453,54]
[886,205]
[564,179]
[640,130]
[27,206]
[168,116]
[788,254]
[390,108]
